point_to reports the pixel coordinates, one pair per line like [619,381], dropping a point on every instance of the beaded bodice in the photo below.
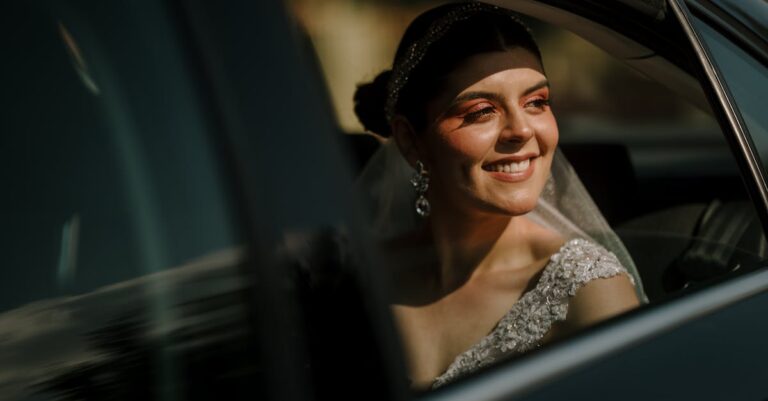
[521,329]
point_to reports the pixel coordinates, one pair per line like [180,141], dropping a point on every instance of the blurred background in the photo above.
[591,92]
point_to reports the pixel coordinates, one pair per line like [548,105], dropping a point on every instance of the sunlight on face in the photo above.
[493,135]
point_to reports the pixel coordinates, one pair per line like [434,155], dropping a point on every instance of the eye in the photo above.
[479,113]
[539,103]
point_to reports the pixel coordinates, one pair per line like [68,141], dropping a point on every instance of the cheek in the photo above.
[468,145]
[455,156]
[547,133]
[459,153]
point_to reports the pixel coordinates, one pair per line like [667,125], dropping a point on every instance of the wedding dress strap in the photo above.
[578,262]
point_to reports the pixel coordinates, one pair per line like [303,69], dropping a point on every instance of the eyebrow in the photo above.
[495,96]
[542,84]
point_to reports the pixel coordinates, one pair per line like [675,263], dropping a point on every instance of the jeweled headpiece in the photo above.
[407,62]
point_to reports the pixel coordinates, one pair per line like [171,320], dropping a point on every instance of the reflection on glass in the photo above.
[107,344]
[77,60]
[106,201]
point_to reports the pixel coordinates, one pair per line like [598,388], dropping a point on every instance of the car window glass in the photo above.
[658,167]
[746,79]
[121,275]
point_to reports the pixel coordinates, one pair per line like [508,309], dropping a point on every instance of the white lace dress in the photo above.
[521,329]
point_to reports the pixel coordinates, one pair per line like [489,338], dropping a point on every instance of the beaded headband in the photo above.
[405,64]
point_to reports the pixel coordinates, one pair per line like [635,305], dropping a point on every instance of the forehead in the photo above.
[513,67]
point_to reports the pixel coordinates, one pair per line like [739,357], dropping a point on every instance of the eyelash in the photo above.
[539,103]
[474,116]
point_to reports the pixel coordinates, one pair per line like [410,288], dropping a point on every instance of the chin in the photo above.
[519,210]
[517,206]
[522,201]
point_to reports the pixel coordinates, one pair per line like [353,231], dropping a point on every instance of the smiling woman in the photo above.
[499,126]
[494,268]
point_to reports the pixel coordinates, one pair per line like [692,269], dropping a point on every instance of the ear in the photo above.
[407,141]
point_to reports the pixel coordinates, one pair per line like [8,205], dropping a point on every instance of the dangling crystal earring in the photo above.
[420,183]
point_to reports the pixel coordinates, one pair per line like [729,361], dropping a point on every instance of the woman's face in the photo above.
[491,145]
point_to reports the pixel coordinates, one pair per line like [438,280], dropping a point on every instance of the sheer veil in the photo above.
[564,205]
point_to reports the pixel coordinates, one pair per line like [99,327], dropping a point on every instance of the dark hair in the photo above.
[489,30]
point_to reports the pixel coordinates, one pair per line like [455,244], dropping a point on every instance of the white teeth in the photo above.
[511,167]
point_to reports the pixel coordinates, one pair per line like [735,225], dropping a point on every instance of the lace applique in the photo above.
[521,329]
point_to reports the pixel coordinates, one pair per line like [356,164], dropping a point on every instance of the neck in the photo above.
[469,244]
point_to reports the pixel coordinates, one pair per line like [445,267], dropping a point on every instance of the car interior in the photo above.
[677,201]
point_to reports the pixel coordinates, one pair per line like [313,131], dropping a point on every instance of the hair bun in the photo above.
[370,101]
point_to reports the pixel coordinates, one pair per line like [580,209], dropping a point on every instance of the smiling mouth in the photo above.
[514,170]
[509,167]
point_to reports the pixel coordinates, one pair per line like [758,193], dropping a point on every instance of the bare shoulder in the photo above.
[603,287]
[600,299]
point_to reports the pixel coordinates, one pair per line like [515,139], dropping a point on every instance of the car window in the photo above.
[655,160]
[655,163]
[122,262]
[745,77]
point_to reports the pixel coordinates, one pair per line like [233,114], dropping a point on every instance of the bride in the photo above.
[506,251]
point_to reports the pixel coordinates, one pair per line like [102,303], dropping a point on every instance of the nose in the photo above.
[516,129]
